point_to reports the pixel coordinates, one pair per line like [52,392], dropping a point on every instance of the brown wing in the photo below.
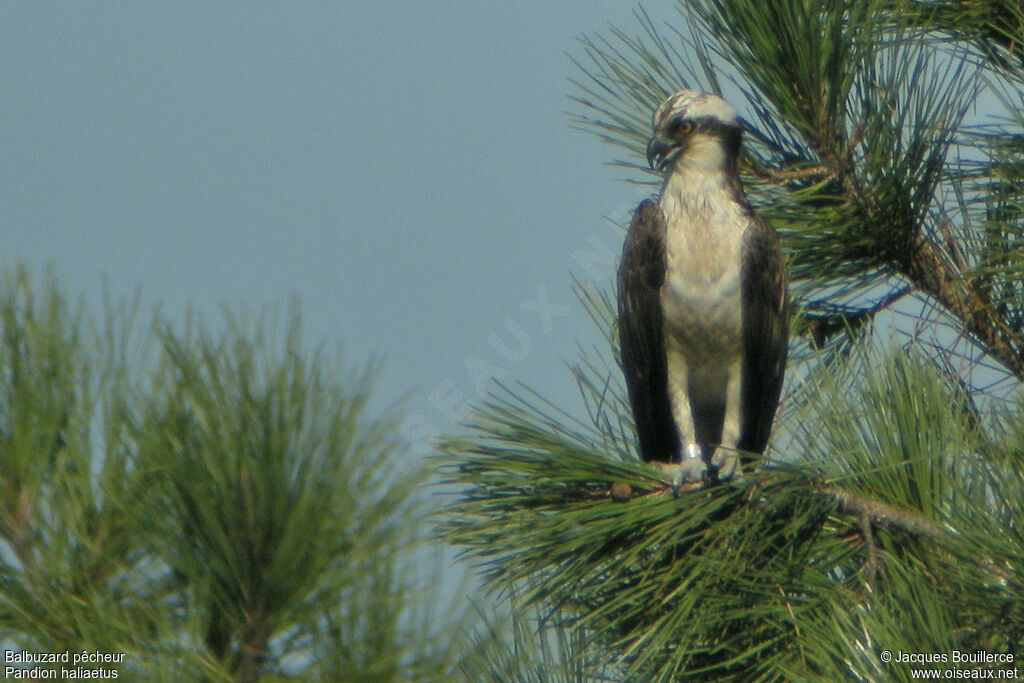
[765,333]
[641,275]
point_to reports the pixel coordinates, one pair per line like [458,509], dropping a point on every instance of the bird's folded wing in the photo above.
[641,275]
[765,333]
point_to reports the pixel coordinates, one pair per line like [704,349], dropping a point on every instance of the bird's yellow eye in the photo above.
[679,128]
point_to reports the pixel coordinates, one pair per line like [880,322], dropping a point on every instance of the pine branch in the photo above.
[930,270]
[858,507]
[995,27]
[668,584]
[880,513]
[651,576]
[822,327]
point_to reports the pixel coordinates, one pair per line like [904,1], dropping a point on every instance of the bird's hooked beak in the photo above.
[662,152]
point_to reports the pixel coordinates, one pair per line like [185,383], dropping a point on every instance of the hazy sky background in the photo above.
[406,169]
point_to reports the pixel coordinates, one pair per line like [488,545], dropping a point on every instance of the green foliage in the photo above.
[267,480]
[898,430]
[70,544]
[992,27]
[219,507]
[531,649]
[770,577]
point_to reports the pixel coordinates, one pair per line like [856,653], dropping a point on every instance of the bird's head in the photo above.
[696,127]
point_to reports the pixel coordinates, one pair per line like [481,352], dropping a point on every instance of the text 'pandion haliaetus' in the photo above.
[703,304]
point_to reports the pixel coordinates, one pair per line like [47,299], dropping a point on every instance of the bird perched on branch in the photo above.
[703,302]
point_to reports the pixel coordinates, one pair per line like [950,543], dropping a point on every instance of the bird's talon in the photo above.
[726,466]
[710,476]
[678,474]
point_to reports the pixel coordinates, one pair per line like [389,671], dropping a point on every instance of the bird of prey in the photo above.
[703,301]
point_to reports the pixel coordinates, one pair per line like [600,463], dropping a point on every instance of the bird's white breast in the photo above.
[704,236]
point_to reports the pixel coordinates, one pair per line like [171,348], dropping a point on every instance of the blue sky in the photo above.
[406,169]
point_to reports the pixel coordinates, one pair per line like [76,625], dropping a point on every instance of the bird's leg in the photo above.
[690,467]
[724,463]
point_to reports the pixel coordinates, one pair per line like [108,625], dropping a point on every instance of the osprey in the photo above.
[703,302]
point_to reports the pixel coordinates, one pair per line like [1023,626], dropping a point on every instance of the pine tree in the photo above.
[205,506]
[884,142]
